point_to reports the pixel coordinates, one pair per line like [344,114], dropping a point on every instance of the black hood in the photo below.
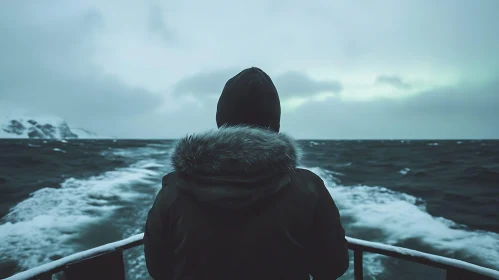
[235,166]
[250,98]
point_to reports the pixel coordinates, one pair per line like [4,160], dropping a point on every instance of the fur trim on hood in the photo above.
[235,150]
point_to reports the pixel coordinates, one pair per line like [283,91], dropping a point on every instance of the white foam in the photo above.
[404,171]
[138,151]
[433,144]
[401,216]
[58,150]
[47,223]
[343,164]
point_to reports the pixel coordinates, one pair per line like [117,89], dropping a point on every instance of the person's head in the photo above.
[250,98]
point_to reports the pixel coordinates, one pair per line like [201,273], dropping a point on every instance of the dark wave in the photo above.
[445,162]
[28,165]
[480,174]
[419,173]
[454,181]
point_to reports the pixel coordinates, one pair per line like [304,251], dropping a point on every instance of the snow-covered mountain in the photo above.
[42,128]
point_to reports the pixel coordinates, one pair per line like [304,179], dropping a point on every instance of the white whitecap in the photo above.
[404,171]
[401,217]
[46,223]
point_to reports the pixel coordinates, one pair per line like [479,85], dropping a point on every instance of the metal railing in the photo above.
[110,259]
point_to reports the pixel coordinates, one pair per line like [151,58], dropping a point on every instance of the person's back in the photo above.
[236,206]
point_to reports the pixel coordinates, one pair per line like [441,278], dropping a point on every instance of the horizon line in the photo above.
[297,139]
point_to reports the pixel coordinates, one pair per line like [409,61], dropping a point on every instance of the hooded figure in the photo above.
[237,207]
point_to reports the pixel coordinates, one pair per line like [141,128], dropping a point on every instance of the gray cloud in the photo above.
[157,23]
[295,83]
[394,81]
[204,83]
[46,67]
[52,54]
[451,112]
[474,105]
[288,84]
[461,111]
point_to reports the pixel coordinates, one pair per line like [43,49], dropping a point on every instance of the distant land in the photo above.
[26,127]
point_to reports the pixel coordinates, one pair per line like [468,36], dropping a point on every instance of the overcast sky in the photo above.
[343,69]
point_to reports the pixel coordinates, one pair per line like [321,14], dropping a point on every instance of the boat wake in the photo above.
[382,215]
[48,225]
[55,221]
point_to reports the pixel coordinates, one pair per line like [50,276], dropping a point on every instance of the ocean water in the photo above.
[441,197]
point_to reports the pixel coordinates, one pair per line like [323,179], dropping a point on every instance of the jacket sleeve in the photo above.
[328,248]
[156,250]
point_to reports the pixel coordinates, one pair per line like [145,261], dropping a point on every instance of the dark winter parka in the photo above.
[237,207]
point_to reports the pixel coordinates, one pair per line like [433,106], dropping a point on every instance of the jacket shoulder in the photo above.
[169,178]
[308,176]
[169,188]
[308,184]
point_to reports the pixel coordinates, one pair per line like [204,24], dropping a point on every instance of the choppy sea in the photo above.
[441,197]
